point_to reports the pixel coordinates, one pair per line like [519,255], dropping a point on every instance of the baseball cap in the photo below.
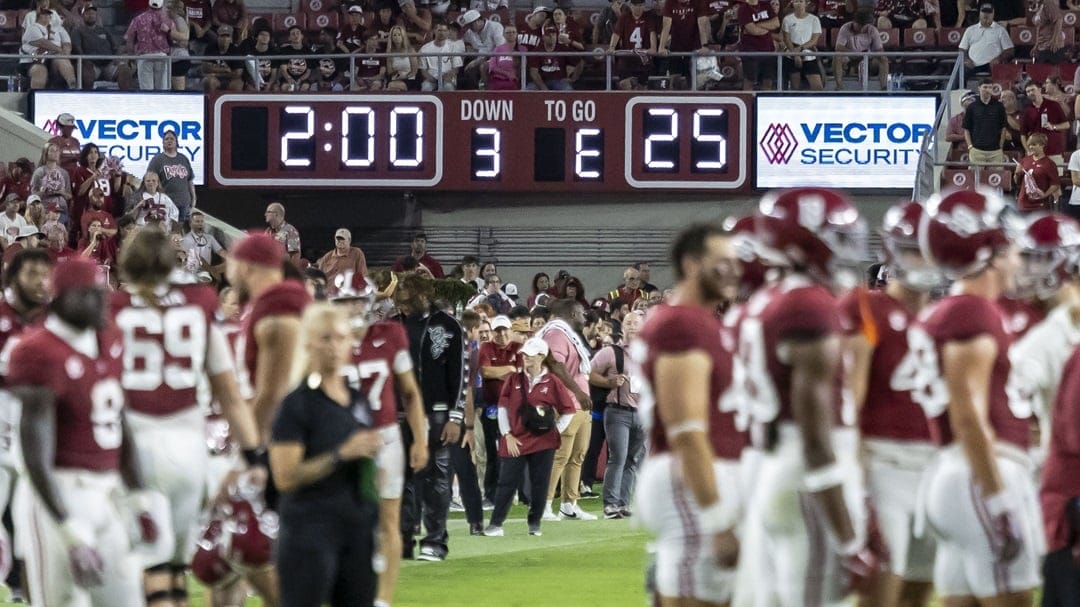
[540,9]
[343,233]
[500,322]
[74,273]
[33,198]
[157,3]
[12,197]
[968,95]
[53,207]
[88,7]
[534,346]
[470,15]
[260,249]
[986,8]
[356,8]
[65,119]
[30,230]
[511,290]
[225,29]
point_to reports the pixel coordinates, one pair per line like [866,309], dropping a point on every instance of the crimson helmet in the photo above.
[753,269]
[963,230]
[815,229]
[252,529]
[209,564]
[358,293]
[1048,251]
[902,257]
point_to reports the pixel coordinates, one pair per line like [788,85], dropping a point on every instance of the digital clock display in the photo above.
[477,141]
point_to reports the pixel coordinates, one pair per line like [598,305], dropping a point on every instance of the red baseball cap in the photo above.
[260,249]
[53,207]
[74,273]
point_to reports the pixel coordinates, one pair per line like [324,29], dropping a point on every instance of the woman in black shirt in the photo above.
[321,456]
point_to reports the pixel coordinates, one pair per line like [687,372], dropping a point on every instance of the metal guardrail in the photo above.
[597,54]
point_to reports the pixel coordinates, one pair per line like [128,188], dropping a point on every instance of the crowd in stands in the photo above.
[419,46]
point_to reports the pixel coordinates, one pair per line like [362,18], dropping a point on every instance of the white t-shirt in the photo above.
[432,63]
[7,224]
[801,30]
[985,43]
[1074,165]
[487,39]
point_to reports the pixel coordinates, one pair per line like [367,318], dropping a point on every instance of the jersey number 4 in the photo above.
[920,374]
[170,343]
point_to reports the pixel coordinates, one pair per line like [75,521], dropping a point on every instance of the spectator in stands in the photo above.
[986,43]
[439,72]
[954,131]
[502,70]
[56,243]
[606,21]
[56,19]
[481,35]
[553,72]
[148,35]
[622,426]
[92,38]
[177,176]
[35,210]
[52,216]
[984,126]
[470,272]
[1054,90]
[232,13]
[569,30]
[198,14]
[85,175]
[386,18]
[295,73]
[17,179]
[902,14]
[261,74]
[201,243]
[328,76]
[97,245]
[572,288]
[70,148]
[181,39]
[541,282]
[630,290]
[401,64]
[683,30]
[801,33]
[1046,117]
[342,262]
[10,221]
[370,74]
[351,37]
[493,296]
[50,181]
[634,40]
[39,40]
[418,250]
[488,269]
[757,21]
[859,36]
[417,22]
[95,211]
[1037,178]
[1046,18]
[223,73]
[530,37]
[835,13]
[149,201]
[282,231]
[1014,115]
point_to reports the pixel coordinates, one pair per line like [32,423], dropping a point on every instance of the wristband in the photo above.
[256,457]
[715,518]
[468,426]
[823,478]
[686,427]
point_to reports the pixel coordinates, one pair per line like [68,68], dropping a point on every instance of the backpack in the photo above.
[536,419]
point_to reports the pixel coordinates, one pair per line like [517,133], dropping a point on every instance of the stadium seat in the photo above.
[1068,72]
[284,21]
[317,21]
[998,178]
[1070,18]
[1006,74]
[9,21]
[949,37]
[319,6]
[890,39]
[1022,35]
[1070,36]
[10,37]
[1040,72]
[957,155]
[958,178]
[254,18]
[919,39]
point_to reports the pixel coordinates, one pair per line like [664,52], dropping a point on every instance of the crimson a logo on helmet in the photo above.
[779,143]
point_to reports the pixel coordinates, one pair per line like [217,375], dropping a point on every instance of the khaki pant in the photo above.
[569,457]
[975,155]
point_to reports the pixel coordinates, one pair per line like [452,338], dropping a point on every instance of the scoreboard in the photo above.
[483,141]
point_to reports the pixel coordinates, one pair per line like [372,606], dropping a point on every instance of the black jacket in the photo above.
[437,346]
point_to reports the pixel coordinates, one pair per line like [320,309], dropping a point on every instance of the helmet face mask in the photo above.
[904,261]
[1049,249]
[357,293]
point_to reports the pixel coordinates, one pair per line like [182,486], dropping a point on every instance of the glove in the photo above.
[87,566]
[1005,538]
[862,566]
[875,541]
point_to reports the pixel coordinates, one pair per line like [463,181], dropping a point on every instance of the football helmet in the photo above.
[251,527]
[815,229]
[1048,249]
[900,239]
[209,564]
[963,230]
[746,249]
[358,293]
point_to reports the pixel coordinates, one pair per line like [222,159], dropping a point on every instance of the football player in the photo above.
[78,451]
[807,502]
[896,445]
[382,370]
[688,489]
[170,340]
[979,495]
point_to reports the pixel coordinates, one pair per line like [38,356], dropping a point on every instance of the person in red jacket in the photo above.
[522,442]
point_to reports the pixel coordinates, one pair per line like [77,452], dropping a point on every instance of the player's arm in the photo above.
[130,471]
[277,337]
[222,376]
[488,372]
[413,402]
[860,352]
[814,365]
[37,430]
[967,367]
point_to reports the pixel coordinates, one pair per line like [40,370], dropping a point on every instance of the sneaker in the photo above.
[455,506]
[549,515]
[612,512]
[534,529]
[494,531]
[476,529]
[586,491]
[626,512]
[430,554]
[573,512]
[488,505]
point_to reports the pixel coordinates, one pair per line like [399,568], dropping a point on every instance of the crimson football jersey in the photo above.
[12,326]
[677,329]
[165,345]
[1020,314]
[890,410]
[962,318]
[794,309]
[218,436]
[89,397]
[1060,482]
[383,353]
[634,35]
[287,298]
